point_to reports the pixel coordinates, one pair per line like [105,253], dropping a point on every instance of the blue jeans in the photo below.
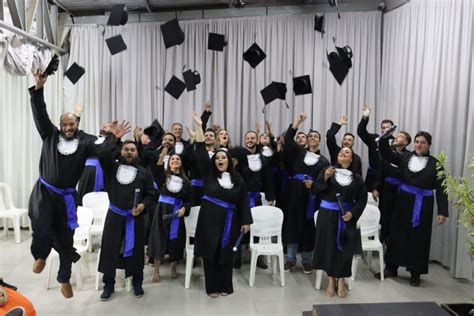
[291,249]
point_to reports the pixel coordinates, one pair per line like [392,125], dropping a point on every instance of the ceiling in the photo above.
[97,7]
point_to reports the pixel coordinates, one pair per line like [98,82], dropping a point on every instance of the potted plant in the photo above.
[460,191]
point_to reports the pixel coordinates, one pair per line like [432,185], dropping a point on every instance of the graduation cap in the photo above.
[75,72]
[52,66]
[302,85]
[337,67]
[191,79]
[319,23]
[118,15]
[275,90]
[116,44]
[345,53]
[216,42]
[254,55]
[175,87]
[155,131]
[172,33]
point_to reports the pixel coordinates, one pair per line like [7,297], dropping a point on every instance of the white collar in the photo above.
[310,158]
[126,174]
[66,146]
[225,181]
[254,162]
[343,176]
[267,151]
[174,184]
[417,163]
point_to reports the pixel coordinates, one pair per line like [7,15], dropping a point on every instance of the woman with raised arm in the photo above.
[224,213]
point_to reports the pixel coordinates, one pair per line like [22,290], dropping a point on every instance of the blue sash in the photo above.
[155,185]
[419,193]
[68,200]
[177,204]
[197,183]
[334,206]
[253,196]
[99,173]
[129,229]
[393,181]
[228,217]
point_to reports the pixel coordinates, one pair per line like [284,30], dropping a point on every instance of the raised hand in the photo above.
[269,126]
[366,110]
[257,127]
[78,109]
[192,134]
[343,120]
[197,120]
[329,172]
[120,129]
[40,80]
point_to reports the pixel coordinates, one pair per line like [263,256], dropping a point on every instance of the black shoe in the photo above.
[415,280]
[387,273]
[138,290]
[106,294]
[237,263]
[261,264]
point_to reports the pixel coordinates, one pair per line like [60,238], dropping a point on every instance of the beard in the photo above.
[124,160]
[63,134]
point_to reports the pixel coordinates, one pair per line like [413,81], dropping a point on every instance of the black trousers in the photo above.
[218,277]
[109,280]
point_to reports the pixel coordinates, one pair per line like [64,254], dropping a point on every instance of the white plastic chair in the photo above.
[369,230]
[81,243]
[128,281]
[267,223]
[9,211]
[370,199]
[319,273]
[98,202]
[264,198]
[190,223]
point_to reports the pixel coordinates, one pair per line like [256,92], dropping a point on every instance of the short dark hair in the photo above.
[171,134]
[230,168]
[251,131]
[387,121]
[424,134]
[407,136]
[129,142]
[314,131]
[210,130]
[349,134]
[300,133]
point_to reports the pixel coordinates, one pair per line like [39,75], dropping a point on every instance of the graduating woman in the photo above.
[299,204]
[168,234]
[409,239]
[224,212]
[337,238]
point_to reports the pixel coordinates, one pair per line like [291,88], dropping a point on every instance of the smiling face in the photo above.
[301,139]
[345,156]
[69,125]
[264,139]
[421,145]
[400,140]
[129,152]
[385,126]
[210,138]
[168,141]
[177,130]
[174,163]
[251,140]
[313,139]
[348,141]
[222,161]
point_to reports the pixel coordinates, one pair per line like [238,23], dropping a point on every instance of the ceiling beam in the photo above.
[15,14]
[30,13]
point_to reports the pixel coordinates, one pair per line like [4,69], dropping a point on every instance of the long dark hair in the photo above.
[215,173]
[352,167]
[181,171]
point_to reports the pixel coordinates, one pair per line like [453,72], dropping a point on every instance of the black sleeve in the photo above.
[441,197]
[187,200]
[388,154]
[320,185]
[205,118]
[244,205]
[379,177]
[333,147]
[360,200]
[268,186]
[202,158]
[364,135]
[149,196]
[42,121]
[158,173]
[290,147]
[107,151]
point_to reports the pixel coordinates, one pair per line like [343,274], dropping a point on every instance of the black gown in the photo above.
[297,227]
[386,184]
[407,246]
[122,196]
[334,148]
[46,209]
[210,224]
[374,156]
[159,242]
[326,256]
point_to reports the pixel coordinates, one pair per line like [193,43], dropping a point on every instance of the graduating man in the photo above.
[347,141]
[131,193]
[369,140]
[52,204]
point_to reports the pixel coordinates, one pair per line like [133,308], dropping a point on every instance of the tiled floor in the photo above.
[170,298]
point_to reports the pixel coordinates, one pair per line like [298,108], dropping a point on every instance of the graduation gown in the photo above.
[388,193]
[374,157]
[334,148]
[159,242]
[191,165]
[326,255]
[297,228]
[122,196]
[46,209]
[211,220]
[409,246]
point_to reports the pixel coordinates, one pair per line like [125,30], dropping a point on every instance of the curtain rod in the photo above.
[31,37]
